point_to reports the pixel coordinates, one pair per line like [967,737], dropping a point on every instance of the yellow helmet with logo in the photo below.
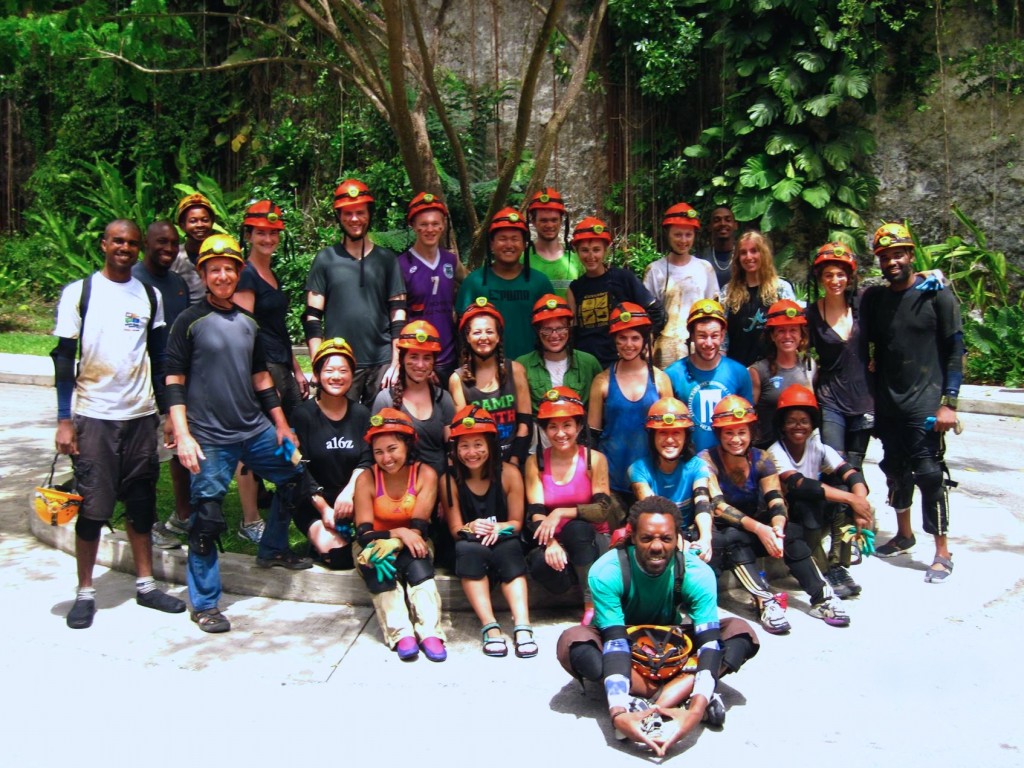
[219,246]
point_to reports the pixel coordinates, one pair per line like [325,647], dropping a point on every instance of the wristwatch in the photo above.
[949,401]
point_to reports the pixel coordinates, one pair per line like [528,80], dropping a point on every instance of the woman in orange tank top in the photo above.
[393,504]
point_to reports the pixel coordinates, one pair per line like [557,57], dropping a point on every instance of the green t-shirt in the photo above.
[514,299]
[560,272]
[650,597]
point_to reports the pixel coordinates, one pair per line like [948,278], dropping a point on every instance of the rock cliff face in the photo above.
[944,149]
[472,36]
[932,151]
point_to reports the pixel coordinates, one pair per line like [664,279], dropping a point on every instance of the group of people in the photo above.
[546,415]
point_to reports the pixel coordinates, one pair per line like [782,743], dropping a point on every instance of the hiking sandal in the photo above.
[493,646]
[211,620]
[526,649]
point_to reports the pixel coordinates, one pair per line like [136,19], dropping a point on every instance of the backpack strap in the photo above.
[83,307]
[627,575]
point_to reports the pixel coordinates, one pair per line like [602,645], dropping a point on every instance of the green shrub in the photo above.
[995,347]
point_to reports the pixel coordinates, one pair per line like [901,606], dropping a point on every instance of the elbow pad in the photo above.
[395,328]
[63,356]
[520,448]
[366,534]
[533,510]
[269,399]
[420,526]
[803,488]
[598,509]
[174,394]
[726,512]
[313,323]
[396,304]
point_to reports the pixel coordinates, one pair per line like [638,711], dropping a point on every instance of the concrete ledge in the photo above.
[240,576]
[993,402]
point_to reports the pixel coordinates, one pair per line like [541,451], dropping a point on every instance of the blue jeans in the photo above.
[207,492]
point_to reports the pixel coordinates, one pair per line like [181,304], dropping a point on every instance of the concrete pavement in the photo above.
[925,674]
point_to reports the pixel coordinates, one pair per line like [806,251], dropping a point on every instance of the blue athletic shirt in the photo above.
[676,487]
[702,390]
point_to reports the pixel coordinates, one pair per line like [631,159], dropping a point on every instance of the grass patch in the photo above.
[20,343]
[34,316]
[232,515]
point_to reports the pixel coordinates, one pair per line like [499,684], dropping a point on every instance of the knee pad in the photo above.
[339,559]
[928,477]
[140,505]
[900,483]
[586,661]
[420,569]
[86,529]
[204,535]
[735,652]
[577,538]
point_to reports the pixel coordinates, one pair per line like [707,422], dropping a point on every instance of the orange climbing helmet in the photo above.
[732,411]
[836,253]
[425,201]
[508,218]
[546,199]
[482,306]
[681,215]
[263,214]
[785,312]
[419,336]
[668,413]
[591,228]
[560,403]
[389,421]
[472,420]
[550,307]
[628,315]
[352,192]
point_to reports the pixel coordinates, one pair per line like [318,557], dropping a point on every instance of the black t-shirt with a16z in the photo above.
[335,449]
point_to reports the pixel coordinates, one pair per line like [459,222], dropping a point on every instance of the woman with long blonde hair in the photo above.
[752,289]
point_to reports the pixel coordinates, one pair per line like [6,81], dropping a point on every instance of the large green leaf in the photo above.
[782,141]
[776,216]
[808,161]
[819,106]
[748,206]
[817,196]
[838,154]
[785,190]
[762,112]
[810,61]
[757,173]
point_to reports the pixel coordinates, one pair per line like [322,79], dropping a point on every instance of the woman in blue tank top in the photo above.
[621,396]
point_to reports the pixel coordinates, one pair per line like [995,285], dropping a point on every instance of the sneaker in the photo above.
[252,532]
[286,559]
[434,649]
[714,715]
[897,545]
[81,613]
[407,649]
[177,526]
[163,538]
[636,704]
[848,582]
[835,580]
[773,618]
[830,610]
[651,727]
[160,601]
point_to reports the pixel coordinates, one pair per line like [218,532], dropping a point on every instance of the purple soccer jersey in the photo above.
[431,297]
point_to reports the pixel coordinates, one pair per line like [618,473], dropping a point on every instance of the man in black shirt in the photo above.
[918,361]
[221,395]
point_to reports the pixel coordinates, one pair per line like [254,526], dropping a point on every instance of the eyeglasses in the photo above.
[547,333]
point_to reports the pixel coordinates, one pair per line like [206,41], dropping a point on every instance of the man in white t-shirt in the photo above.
[119,324]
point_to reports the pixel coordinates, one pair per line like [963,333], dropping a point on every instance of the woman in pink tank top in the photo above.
[568,501]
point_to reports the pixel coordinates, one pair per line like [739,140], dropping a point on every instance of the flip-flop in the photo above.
[936,575]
